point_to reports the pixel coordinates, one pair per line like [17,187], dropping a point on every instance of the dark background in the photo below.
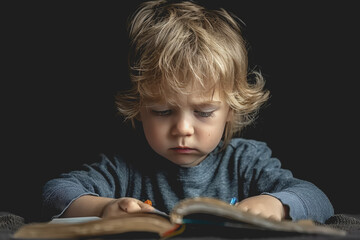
[63,62]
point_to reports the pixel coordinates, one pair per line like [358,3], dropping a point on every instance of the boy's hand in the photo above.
[265,206]
[125,205]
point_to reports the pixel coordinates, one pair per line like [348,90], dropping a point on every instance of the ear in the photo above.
[230,115]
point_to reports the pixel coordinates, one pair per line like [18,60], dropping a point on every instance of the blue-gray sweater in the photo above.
[245,168]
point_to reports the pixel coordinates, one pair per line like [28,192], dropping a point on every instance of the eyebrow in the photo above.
[203,104]
[206,104]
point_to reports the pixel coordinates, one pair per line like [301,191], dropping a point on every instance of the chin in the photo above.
[186,161]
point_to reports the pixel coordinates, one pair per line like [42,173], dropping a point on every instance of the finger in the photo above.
[255,212]
[146,207]
[247,209]
[242,207]
[265,215]
[112,209]
[275,218]
[129,205]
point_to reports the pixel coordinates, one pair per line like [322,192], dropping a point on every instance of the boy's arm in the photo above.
[105,178]
[89,205]
[265,206]
[304,199]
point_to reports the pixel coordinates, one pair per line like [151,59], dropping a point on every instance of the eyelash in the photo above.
[161,113]
[204,114]
[168,112]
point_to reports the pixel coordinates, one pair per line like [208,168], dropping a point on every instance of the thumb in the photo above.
[145,207]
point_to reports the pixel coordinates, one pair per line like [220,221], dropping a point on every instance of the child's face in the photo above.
[185,135]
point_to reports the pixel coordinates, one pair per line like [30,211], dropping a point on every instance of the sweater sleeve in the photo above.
[98,179]
[265,176]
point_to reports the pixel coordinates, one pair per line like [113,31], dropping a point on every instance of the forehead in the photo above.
[213,96]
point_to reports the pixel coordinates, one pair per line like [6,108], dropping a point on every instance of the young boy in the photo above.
[191,92]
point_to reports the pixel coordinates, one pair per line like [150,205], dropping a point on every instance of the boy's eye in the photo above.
[161,113]
[204,114]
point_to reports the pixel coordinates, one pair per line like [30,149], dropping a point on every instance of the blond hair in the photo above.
[182,44]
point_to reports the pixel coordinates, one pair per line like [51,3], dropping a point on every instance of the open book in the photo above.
[201,216]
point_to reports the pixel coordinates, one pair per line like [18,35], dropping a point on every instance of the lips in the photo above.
[183,149]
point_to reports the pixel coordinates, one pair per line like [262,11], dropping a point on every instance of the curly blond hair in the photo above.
[181,44]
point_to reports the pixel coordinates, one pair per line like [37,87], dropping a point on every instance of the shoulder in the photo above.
[250,154]
[247,149]
[246,144]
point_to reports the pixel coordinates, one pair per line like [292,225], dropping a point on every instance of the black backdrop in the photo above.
[63,62]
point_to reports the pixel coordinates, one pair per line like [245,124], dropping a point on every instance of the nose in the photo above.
[183,126]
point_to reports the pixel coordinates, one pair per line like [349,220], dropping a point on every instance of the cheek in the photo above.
[154,133]
[211,136]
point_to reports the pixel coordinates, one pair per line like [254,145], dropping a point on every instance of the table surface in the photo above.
[353,232]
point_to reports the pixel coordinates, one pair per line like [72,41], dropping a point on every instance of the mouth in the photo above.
[183,149]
